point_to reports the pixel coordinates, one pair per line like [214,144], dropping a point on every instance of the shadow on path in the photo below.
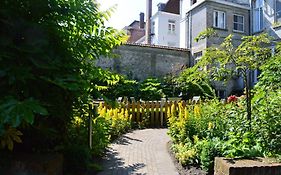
[114,165]
[140,152]
[125,140]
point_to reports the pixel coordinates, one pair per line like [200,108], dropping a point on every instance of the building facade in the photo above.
[178,22]
[136,30]
[266,17]
[225,17]
[165,29]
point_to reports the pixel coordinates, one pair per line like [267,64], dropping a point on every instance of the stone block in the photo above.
[257,166]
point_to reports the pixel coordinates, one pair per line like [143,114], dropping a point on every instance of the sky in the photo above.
[126,11]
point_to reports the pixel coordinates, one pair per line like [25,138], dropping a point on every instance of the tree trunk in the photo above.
[248,96]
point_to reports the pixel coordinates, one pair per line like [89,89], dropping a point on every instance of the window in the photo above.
[258,16]
[238,23]
[219,19]
[172,27]
[197,57]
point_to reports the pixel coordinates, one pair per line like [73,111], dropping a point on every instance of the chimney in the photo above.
[148,21]
[161,6]
[141,20]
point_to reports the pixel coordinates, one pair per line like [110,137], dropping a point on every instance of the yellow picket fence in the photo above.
[151,113]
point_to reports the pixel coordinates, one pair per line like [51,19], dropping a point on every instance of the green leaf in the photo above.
[28,116]
[37,108]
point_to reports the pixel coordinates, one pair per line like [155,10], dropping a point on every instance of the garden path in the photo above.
[141,152]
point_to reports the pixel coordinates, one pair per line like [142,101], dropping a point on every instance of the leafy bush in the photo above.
[124,88]
[203,131]
[266,105]
[109,124]
[151,89]
[106,126]
[215,129]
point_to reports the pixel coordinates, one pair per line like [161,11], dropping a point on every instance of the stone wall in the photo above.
[139,61]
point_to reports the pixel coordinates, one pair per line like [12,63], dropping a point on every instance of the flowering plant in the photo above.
[232,98]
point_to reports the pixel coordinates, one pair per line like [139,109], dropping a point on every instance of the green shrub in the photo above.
[109,124]
[151,89]
[203,131]
[207,150]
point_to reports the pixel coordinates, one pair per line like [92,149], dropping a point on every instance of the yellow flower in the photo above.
[102,112]
[197,110]
[115,114]
[122,111]
[168,113]
[110,112]
[195,138]
[210,126]
[126,114]
[186,113]
[173,110]
[100,107]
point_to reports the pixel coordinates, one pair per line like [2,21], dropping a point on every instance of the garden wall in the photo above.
[139,61]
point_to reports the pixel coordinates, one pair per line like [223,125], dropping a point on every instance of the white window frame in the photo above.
[238,23]
[217,22]
[171,27]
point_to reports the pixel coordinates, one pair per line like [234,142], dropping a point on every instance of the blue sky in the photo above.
[127,10]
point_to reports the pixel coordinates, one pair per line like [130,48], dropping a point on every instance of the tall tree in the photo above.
[47,48]
[225,61]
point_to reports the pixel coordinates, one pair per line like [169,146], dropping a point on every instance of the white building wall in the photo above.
[155,31]
[184,6]
[183,33]
[162,36]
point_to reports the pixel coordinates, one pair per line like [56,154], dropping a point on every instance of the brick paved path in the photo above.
[142,152]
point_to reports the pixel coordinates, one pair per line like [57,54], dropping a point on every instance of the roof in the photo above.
[135,22]
[242,6]
[172,6]
[158,46]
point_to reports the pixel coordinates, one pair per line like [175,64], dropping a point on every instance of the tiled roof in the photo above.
[173,6]
[157,46]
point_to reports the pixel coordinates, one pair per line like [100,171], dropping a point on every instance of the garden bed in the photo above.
[185,170]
